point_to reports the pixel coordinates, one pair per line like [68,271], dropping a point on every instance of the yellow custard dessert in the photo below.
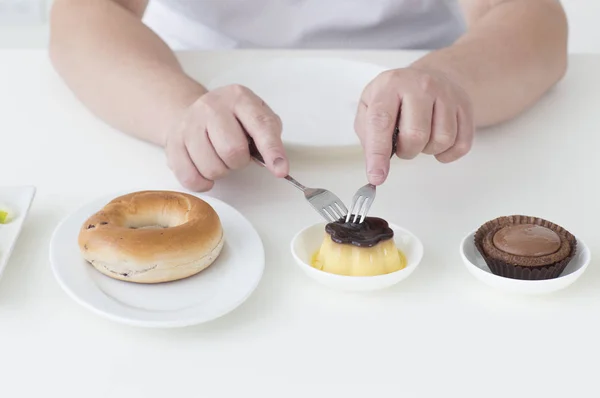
[365,249]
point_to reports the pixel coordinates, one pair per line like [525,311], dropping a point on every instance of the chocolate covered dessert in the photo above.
[364,249]
[523,247]
[366,234]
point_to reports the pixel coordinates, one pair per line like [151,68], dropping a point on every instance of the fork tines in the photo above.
[361,203]
[334,212]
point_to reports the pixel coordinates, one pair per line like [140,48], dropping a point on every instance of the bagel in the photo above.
[152,237]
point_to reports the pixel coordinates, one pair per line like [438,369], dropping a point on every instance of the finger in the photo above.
[443,128]
[359,121]
[415,125]
[264,126]
[203,155]
[464,138]
[379,123]
[228,140]
[184,169]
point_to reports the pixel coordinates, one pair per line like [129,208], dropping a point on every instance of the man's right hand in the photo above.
[211,139]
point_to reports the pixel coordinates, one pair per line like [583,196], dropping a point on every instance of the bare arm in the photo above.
[118,67]
[513,52]
[130,78]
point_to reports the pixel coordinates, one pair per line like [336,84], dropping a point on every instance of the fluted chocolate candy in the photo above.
[366,234]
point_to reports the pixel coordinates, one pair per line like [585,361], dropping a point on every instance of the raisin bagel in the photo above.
[152,237]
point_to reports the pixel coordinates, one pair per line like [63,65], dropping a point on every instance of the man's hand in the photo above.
[211,139]
[434,116]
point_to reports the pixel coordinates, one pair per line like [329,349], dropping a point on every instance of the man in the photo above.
[490,60]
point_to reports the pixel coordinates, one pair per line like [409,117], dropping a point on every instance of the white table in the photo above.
[439,332]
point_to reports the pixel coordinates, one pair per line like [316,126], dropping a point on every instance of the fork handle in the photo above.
[295,183]
[395,141]
[258,158]
[254,151]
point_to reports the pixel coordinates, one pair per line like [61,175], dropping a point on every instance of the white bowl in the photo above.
[479,269]
[306,242]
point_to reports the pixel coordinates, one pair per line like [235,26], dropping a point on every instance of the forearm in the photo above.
[510,56]
[119,68]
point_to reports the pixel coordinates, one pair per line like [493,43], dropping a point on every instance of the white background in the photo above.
[584,16]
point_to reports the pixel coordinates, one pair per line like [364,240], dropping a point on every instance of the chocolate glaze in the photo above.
[366,234]
[527,240]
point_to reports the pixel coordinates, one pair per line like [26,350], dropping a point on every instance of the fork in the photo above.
[328,205]
[364,197]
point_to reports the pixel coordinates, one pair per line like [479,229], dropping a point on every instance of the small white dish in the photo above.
[306,242]
[479,269]
[212,293]
[316,98]
[17,201]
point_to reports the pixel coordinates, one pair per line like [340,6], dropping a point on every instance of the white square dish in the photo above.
[17,201]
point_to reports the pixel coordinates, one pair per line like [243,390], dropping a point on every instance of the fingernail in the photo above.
[279,165]
[377,173]
[376,176]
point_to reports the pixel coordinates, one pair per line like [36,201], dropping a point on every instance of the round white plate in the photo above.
[316,98]
[212,293]
[307,241]
[479,269]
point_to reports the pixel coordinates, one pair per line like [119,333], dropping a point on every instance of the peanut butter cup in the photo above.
[524,247]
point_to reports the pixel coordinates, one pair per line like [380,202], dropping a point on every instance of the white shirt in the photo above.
[305,24]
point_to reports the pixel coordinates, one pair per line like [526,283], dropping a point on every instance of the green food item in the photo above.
[3,217]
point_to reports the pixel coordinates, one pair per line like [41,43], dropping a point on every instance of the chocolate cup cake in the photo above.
[523,247]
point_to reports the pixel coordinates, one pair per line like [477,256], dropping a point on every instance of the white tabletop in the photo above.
[440,331]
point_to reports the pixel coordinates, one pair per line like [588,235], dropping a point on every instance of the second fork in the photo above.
[364,197]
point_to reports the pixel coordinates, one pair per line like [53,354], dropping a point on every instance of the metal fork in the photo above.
[364,197]
[328,205]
